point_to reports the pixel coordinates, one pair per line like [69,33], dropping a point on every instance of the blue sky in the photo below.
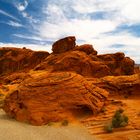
[111,26]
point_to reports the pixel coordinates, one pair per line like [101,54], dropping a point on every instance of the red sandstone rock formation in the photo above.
[122,85]
[75,61]
[53,97]
[85,61]
[16,59]
[66,57]
[87,48]
[64,45]
[57,87]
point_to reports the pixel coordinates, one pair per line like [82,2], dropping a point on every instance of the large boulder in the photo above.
[87,48]
[127,66]
[49,97]
[63,45]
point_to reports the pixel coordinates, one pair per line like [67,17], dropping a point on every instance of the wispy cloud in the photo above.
[30,18]
[123,11]
[8,15]
[22,6]
[28,37]
[14,24]
[36,47]
[82,29]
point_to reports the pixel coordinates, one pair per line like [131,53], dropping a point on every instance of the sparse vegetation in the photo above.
[118,120]
[65,122]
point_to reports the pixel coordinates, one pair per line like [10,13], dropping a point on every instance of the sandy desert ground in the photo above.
[95,124]
[12,130]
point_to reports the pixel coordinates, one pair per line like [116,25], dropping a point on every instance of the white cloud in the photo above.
[52,10]
[28,37]
[124,10]
[29,17]
[28,46]
[14,24]
[60,24]
[82,29]
[130,45]
[22,6]
[8,15]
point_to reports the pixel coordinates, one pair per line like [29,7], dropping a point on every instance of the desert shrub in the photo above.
[65,122]
[118,120]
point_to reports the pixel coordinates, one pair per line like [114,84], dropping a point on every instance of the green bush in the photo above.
[118,120]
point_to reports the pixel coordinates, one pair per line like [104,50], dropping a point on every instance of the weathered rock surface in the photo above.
[15,78]
[70,80]
[88,65]
[76,61]
[66,57]
[85,61]
[16,59]
[122,85]
[117,63]
[87,48]
[63,45]
[53,97]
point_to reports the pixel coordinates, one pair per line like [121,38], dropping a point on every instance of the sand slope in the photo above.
[13,130]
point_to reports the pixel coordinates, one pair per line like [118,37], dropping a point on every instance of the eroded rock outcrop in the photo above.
[16,59]
[64,45]
[76,61]
[53,97]
[71,79]
[122,85]
[85,61]
[87,48]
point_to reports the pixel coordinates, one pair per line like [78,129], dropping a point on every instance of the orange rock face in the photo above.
[117,63]
[76,61]
[64,45]
[88,65]
[121,85]
[16,59]
[53,97]
[87,48]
